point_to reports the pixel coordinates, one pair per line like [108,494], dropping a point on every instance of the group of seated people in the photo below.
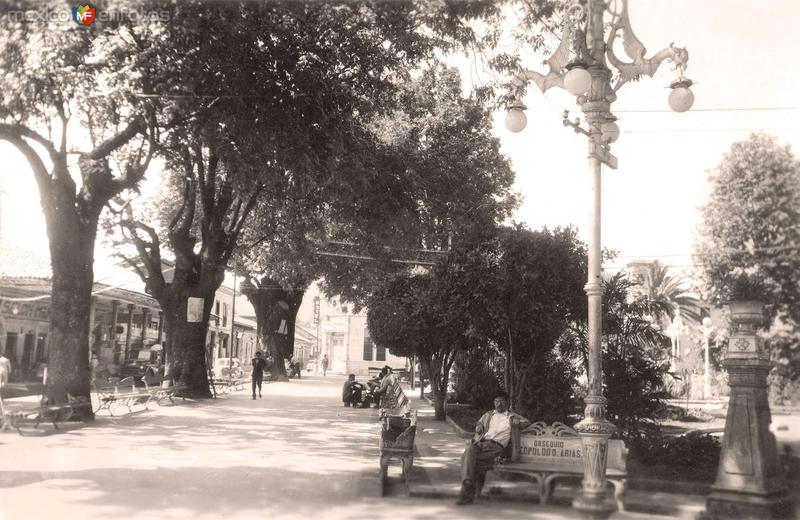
[359,395]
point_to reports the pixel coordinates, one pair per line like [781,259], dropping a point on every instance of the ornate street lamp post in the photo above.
[706,328]
[579,66]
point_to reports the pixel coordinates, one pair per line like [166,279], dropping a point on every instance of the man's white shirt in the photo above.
[499,428]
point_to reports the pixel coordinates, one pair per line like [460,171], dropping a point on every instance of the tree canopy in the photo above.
[749,240]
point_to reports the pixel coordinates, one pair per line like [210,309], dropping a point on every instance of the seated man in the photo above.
[492,437]
[385,394]
[351,391]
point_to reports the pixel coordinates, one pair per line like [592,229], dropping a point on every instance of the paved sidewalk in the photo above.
[296,453]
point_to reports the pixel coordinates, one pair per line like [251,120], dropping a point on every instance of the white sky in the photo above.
[742,55]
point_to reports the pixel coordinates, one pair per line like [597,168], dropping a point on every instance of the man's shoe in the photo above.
[465,501]
[254,398]
[467,495]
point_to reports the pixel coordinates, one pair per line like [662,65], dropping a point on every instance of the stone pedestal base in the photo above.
[750,481]
[594,502]
[723,505]
[599,508]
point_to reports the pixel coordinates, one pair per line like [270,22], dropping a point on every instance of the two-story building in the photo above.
[343,335]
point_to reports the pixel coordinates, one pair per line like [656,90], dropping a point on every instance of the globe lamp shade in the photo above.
[681,99]
[516,120]
[610,131]
[577,81]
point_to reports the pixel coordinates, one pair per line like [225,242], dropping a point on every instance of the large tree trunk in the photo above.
[186,341]
[275,305]
[438,384]
[72,258]
[71,215]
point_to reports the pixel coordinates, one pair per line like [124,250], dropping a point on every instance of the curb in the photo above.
[670,486]
[458,429]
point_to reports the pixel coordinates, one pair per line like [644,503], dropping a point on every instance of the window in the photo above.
[380,353]
[224,314]
[367,346]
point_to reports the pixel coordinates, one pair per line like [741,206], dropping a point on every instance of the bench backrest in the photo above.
[395,402]
[559,446]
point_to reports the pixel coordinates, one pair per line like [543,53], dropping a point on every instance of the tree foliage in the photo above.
[634,364]
[409,316]
[521,290]
[657,284]
[750,229]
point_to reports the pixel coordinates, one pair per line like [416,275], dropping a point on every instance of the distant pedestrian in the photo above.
[258,372]
[5,369]
[324,364]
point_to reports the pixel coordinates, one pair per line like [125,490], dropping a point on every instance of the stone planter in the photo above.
[750,481]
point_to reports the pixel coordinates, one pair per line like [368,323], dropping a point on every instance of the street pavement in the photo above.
[295,453]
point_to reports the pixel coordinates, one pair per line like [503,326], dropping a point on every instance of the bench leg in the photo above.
[383,472]
[619,491]
[408,462]
[547,486]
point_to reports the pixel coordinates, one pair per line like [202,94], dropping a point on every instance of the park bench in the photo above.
[546,453]
[231,383]
[401,373]
[398,429]
[18,417]
[395,402]
[124,392]
[160,392]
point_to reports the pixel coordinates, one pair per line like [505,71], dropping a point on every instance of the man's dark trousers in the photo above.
[479,458]
[257,384]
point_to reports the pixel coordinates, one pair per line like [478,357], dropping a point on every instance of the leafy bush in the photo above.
[547,394]
[693,457]
[634,388]
[477,378]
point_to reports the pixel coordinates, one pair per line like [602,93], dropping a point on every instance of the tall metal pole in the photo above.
[706,328]
[594,429]
[233,317]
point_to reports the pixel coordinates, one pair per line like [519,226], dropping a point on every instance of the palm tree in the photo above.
[657,285]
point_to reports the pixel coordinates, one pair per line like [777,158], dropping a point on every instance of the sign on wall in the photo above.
[194,310]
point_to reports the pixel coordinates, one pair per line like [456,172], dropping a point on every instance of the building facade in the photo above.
[343,335]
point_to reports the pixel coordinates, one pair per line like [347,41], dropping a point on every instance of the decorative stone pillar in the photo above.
[750,481]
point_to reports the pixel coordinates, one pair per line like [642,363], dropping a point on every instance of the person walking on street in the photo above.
[258,372]
[324,364]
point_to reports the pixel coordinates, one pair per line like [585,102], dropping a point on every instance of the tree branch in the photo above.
[153,277]
[8,132]
[120,139]
[134,174]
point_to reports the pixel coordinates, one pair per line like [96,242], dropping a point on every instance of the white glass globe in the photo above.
[681,99]
[516,120]
[610,131]
[577,81]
